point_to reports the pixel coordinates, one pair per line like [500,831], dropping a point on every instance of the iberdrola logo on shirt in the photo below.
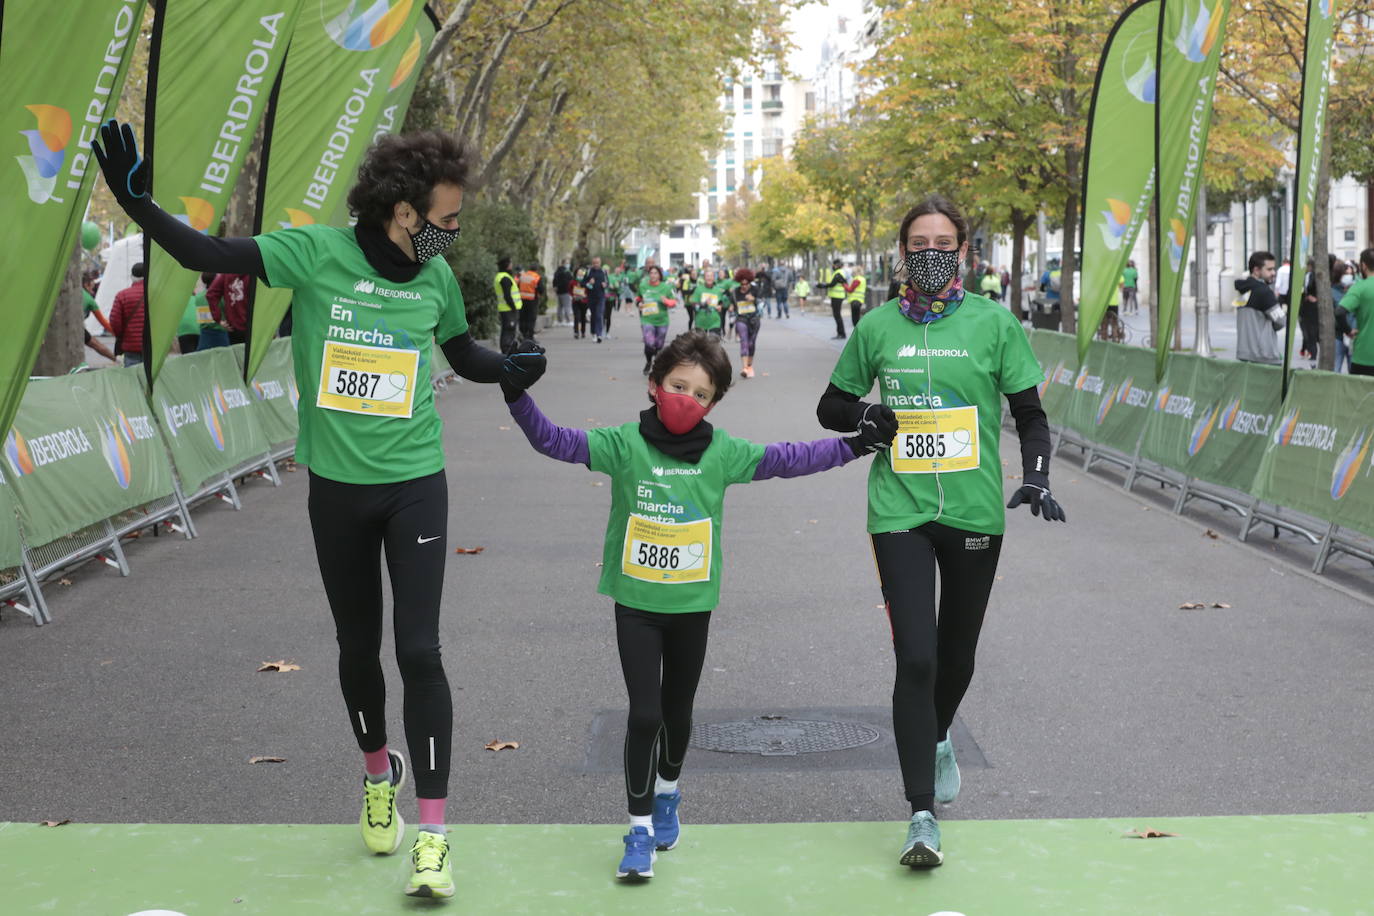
[666,472]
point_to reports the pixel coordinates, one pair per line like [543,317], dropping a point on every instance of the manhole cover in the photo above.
[779,736]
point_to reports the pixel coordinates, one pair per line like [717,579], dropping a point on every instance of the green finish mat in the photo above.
[1319,864]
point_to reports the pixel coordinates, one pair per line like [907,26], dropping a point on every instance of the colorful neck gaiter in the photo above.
[923,308]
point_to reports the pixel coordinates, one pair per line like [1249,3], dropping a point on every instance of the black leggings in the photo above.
[609,310]
[691,315]
[934,659]
[510,321]
[837,310]
[351,522]
[579,316]
[661,656]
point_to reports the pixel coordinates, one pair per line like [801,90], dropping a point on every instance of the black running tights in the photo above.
[934,652]
[661,655]
[351,523]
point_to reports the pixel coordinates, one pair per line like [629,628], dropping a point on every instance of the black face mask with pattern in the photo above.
[432,241]
[930,269]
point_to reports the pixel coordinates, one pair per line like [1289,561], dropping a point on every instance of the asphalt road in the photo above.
[1095,694]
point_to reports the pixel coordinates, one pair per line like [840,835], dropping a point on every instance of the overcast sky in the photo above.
[809,26]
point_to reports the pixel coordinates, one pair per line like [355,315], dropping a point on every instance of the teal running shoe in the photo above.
[667,829]
[922,847]
[946,772]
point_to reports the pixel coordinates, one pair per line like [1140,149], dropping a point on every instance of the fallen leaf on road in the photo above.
[598,483]
[65,820]
[1191,605]
[502,745]
[503,427]
[813,521]
[1013,477]
[1220,604]
[267,760]
[468,549]
[1149,833]
[611,378]
[64,581]
[282,665]
[1211,534]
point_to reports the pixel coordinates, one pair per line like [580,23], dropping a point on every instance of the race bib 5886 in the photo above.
[931,441]
[667,552]
[375,381]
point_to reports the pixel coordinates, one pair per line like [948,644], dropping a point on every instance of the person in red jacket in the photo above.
[228,300]
[127,317]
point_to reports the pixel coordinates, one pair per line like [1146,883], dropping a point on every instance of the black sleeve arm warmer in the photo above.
[508,291]
[839,410]
[471,360]
[194,250]
[1033,428]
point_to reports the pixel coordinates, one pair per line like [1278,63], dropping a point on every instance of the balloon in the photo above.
[90,236]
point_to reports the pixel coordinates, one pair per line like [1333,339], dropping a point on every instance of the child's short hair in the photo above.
[697,348]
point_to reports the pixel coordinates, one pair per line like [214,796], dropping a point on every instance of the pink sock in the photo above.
[432,810]
[377,763]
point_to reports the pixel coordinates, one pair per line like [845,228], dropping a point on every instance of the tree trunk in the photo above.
[242,206]
[1321,273]
[1020,225]
[448,31]
[1067,264]
[64,344]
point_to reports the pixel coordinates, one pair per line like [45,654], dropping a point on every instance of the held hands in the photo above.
[126,172]
[876,426]
[522,368]
[1040,500]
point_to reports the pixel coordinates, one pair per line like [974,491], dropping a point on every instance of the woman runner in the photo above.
[579,303]
[661,562]
[940,357]
[747,320]
[655,297]
[686,284]
[372,440]
[711,295]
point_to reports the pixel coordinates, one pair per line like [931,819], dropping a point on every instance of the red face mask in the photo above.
[679,412]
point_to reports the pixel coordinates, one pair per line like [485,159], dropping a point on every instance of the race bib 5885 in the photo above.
[666,551]
[374,381]
[931,441]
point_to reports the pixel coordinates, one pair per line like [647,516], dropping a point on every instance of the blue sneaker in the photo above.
[946,772]
[922,847]
[638,863]
[666,826]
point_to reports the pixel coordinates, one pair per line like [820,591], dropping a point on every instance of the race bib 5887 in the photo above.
[374,381]
[935,441]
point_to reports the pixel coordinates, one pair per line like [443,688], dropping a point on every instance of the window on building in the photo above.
[730,179]
[811,101]
[677,232]
[1350,235]
[712,205]
[748,152]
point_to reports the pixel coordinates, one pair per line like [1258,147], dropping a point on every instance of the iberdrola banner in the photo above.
[62,71]
[1311,136]
[1191,33]
[203,111]
[400,89]
[343,56]
[1119,167]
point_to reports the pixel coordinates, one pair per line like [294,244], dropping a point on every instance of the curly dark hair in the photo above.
[406,168]
[700,349]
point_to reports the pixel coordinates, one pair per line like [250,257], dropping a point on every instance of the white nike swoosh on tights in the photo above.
[420,540]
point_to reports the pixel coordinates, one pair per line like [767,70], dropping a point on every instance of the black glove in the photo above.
[1040,500]
[876,425]
[522,368]
[126,172]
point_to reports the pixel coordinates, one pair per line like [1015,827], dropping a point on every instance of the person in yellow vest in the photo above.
[855,290]
[531,290]
[833,282]
[507,303]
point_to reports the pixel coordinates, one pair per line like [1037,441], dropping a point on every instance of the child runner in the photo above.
[656,294]
[711,295]
[662,557]
[747,321]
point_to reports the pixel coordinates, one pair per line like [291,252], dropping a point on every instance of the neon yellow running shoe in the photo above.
[432,875]
[382,826]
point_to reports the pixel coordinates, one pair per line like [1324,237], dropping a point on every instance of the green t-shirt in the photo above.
[663,537]
[373,418]
[190,320]
[709,301]
[88,303]
[1359,302]
[944,464]
[1129,276]
[652,310]
[613,285]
